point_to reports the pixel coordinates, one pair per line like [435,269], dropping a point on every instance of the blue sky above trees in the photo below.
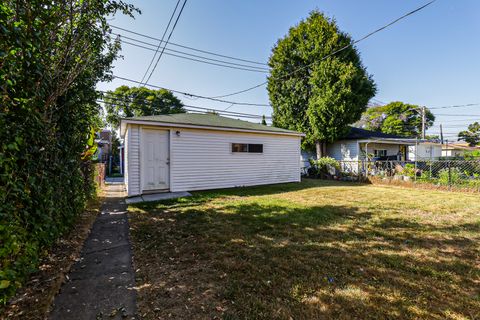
[430,58]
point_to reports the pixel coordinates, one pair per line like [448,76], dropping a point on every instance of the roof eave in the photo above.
[125,121]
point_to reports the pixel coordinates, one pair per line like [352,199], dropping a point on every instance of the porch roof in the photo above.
[403,141]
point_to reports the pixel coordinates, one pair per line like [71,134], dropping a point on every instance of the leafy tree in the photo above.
[316,95]
[264,121]
[133,102]
[472,155]
[398,118]
[52,55]
[472,135]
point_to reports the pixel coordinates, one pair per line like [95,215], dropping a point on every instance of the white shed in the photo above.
[425,150]
[186,151]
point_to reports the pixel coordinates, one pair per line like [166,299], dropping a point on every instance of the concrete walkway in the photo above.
[100,284]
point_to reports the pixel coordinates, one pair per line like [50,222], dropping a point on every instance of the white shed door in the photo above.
[155,163]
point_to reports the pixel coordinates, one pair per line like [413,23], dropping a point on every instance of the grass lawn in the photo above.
[313,250]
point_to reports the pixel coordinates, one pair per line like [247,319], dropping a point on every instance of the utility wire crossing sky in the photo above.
[212,66]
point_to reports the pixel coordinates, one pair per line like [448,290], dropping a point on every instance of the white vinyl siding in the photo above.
[203,159]
[132,156]
[392,149]
[425,152]
[343,150]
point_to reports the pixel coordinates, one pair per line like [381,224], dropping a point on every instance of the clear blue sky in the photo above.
[430,58]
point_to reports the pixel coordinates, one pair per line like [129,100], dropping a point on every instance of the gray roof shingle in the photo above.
[358,133]
[210,120]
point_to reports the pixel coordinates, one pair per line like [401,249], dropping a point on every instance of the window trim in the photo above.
[376,155]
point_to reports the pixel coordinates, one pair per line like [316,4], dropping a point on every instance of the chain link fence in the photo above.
[462,174]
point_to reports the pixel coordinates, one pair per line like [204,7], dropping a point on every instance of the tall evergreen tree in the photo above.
[313,94]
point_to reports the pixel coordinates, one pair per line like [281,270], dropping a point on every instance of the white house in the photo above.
[186,151]
[425,150]
[359,143]
[457,149]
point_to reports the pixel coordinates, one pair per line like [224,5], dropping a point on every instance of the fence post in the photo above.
[449,175]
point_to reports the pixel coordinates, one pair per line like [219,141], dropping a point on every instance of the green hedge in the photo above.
[52,54]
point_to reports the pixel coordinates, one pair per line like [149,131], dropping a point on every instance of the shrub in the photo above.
[51,57]
[450,176]
[323,167]
[409,170]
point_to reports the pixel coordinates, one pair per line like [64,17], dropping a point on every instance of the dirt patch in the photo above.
[181,282]
[33,301]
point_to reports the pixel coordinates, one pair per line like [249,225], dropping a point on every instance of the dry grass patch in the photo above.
[311,250]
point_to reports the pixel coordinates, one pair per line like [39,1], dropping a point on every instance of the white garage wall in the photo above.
[202,159]
[132,159]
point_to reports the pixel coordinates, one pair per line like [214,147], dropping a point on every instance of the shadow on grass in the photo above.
[201,197]
[262,259]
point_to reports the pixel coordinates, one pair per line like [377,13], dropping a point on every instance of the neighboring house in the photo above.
[457,149]
[186,151]
[425,150]
[305,159]
[104,141]
[360,144]
[379,146]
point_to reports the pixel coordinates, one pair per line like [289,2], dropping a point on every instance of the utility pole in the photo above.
[441,134]
[424,119]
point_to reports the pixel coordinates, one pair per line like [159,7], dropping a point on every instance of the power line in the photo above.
[119,97]
[456,106]
[200,110]
[185,53]
[168,39]
[160,43]
[190,48]
[334,52]
[194,95]
[461,120]
[456,115]
[197,60]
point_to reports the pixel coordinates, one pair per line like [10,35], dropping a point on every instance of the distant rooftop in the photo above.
[209,120]
[358,133]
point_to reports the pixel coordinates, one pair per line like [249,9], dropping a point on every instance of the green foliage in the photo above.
[409,170]
[450,176]
[323,167]
[472,135]
[397,118]
[134,102]
[52,54]
[319,97]
[472,155]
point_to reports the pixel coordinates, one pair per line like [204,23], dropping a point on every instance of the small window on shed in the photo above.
[239,147]
[244,147]
[255,148]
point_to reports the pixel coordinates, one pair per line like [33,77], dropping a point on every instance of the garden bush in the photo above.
[324,167]
[52,54]
[450,176]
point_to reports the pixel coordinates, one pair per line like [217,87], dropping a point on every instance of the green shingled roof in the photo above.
[210,120]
